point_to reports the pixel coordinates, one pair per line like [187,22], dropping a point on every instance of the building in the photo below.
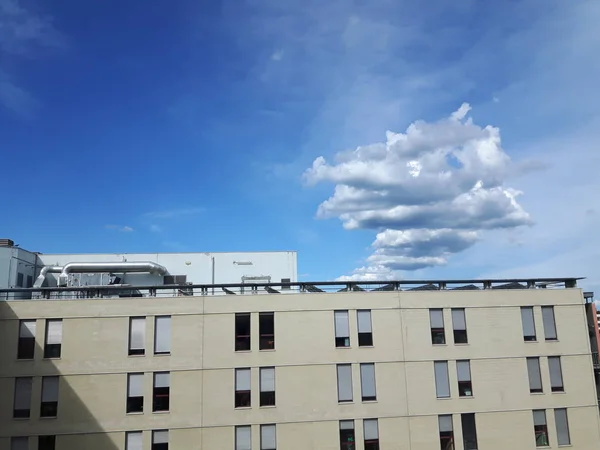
[491,365]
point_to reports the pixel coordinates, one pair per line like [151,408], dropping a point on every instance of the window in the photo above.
[162,335]
[459,326]
[549,323]
[540,428]
[367,382]
[19,443]
[344,381]
[562,426]
[442,384]
[365,332]
[267,386]
[243,438]
[137,336]
[26,346]
[266,330]
[463,370]
[268,437]
[556,379]
[29,281]
[436,321]
[20,277]
[347,440]
[242,388]
[242,332]
[47,442]
[133,440]
[342,329]
[371,434]
[446,432]
[160,393]
[469,431]
[528,323]
[22,398]
[135,393]
[53,341]
[535,376]
[49,405]
[160,440]
[286,280]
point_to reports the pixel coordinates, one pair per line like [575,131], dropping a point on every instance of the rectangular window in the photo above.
[463,370]
[459,326]
[19,443]
[556,379]
[267,386]
[367,382]
[135,393]
[562,426]
[22,398]
[133,440]
[342,329]
[243,438]
[137,336]
[344,381]
[268,437]
[26,346]
[365,331]
[162,335]
[160,440]
[436,321]
[53,341]
[528,323]
[347,440]
[242,332]
[549,323]
[46,442]
[442,383]
[371,434]
[20,280]
[29,281]
[469,431]
[540,428]
[446,432]
[242,388]
[266,330]
[49,405]
[285,280]
[535,376]
[161,391]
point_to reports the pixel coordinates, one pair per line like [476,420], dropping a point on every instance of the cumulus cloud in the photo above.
[429,192]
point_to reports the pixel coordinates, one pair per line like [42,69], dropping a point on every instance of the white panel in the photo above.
[27,329]
[442,384]
[50,389]
[556,380]
[367,380]
[162,338]
[436,318]
[344,379]
[136,385]
[161,379]
[370,429]
[243,438]
[242,380]
[160,437]
[23,393]
[458,319]
[463,370]
[134,441]
[19,443]
[562,426]
[54,332]
[346,424]
[364,321]
[268,438]
[549,324]
[137,333]
[267,379]
[539,417]
[341,324]
[445,423]
[535,376]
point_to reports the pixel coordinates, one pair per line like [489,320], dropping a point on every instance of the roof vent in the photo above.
[6,243]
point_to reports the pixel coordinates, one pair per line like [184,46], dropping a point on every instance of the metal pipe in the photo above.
[119,267]
[213,273]
[42,276]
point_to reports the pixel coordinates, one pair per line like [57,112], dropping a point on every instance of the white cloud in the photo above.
[155,228]
[120,228]
[173,213]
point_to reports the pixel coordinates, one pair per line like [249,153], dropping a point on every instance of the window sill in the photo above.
[266,350]
[267,406]
[551,340]
[462,344]
[48,418]
[135,356]
[366,346]
[24,359]
[51,359]
[140,413]
[370,401]
[243,351]
[237,408]
[161,412]
[344,348]
[531,342]
[536,393]
[558,392]
[444,398]
[21,418]
[351,402]
[439,345]
[162,354]
[466,396]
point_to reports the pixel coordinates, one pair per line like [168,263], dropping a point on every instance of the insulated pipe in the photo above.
[42,276]
[119,267]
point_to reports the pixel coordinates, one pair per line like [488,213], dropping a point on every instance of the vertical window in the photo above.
[29,281]
[459,326]
[268,437]
[342,329]
[446,432]
[371,434]
[243,438]
[137,335]
[47,442]
[26,344]
[562,426]
[549,323]
[133,440]
[367,382]
[436,321]
[347,441]
[463,370]
[162,335]
[135,393]
[22,398]
[267,386]
[285,280]
[160,440]
[556,379]
[365,331]
[49,405]
[528,323]
[534,373]
[242,388]
[53,341]
[19,443]
[161,392]
[19,279]
[469,431]
[242,332]
[442,383]
[344,381]
[540,428]
[266,330]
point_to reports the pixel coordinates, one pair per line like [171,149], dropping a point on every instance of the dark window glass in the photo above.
[436,321]
[347,439]
[266,328]
[242,332]
[469,431]
[26,344]
[161,392]
[267,399]
[46,442]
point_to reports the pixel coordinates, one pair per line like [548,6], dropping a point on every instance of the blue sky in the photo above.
[133,126]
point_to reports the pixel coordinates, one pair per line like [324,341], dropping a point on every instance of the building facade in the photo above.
[491,369]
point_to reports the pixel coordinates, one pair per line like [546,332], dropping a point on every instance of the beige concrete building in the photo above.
[489,369]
